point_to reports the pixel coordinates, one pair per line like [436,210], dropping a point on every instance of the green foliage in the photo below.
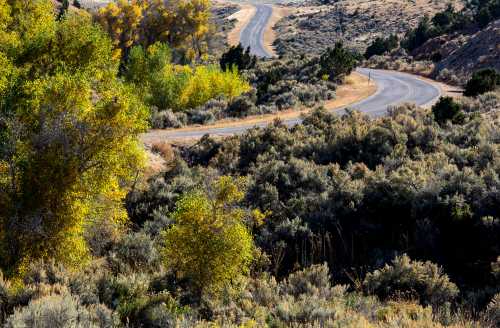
[168,86]
[474,14]
[209,242]
[417,37]
[380,46]
[482,81]
[353,191]
[487,11]
[68,141]
[337,63]
[446,109]
[237,56]
[405,278]
[142,65]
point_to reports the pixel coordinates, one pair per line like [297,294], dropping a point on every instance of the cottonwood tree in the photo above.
[183,24]
[209,242]
[69,135]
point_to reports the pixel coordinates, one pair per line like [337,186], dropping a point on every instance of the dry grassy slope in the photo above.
[356,22]
[480,50]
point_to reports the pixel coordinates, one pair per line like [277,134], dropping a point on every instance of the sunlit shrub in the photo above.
[406,278]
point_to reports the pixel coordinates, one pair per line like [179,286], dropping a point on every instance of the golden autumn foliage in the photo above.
[209,242]
[68,134]
[183,24]
[179,87]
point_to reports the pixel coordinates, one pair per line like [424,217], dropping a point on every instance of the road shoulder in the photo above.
[355,89]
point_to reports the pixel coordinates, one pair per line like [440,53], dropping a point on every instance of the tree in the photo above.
[337,63]
[176,87]
[237,56]
[445,18]
[417,37]
[183,24]
[209,242]
[446,109]
[483,17]
[68,138]
[381,45]
[482,81]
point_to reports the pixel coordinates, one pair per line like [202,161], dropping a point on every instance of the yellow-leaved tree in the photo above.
[68,135]
[179,87]
[183,24]
[210,243]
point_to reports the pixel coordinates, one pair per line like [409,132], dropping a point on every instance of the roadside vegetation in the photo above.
[338,221]
[273,85]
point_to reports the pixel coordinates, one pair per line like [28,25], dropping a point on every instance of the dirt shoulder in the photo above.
[279,12]
[356,88]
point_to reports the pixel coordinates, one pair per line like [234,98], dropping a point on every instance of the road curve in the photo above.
[393,88]
[252,35]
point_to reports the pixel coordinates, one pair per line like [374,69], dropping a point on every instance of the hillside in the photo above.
[386,216]
[470,53]
[356,23]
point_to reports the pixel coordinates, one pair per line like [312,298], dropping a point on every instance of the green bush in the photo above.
[237,57]
[135,252]
[406,278]
[446,109]
[380,46]
[337,62]
[481,82]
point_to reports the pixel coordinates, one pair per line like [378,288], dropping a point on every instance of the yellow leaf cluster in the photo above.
[69,135]
[183,24]
[209,242]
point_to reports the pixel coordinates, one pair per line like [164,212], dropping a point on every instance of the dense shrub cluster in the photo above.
[278,84]
[482,81]
[347,192]
[305,298]
[354,192]
[239,57]
[381,45]
[404,278]
[356,23]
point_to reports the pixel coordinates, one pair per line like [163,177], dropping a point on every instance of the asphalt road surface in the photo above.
[393,88]
[252,35]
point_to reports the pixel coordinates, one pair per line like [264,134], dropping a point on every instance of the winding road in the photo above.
[393,88]
[252,35]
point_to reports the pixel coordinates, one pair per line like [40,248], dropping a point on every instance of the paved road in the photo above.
[393,88]
[252,35]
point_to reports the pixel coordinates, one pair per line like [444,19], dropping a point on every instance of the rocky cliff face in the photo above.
[480,50]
